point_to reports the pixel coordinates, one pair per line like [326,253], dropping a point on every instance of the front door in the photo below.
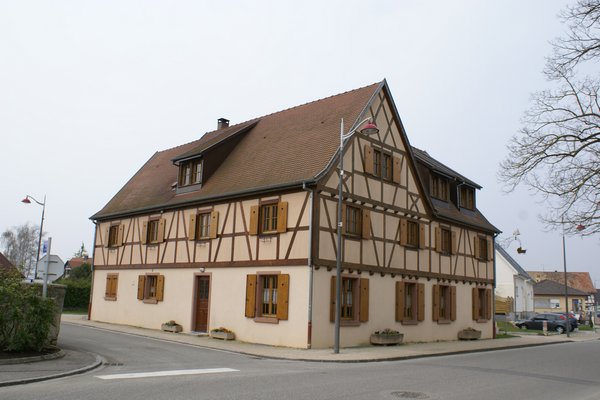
[202,291]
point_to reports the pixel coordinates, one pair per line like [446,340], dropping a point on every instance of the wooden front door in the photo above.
[202,291]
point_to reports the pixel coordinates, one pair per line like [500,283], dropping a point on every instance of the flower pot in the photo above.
[469,334]
[222,335]
[387,339]
[171,328]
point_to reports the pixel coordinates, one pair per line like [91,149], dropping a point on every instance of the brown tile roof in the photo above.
[548,287]
[5,264]
[286,147]
[578,280]
[78,262]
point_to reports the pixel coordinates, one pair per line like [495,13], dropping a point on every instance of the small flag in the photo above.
[44,247]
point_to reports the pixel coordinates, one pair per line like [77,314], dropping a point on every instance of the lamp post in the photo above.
[368,129]
[27,200]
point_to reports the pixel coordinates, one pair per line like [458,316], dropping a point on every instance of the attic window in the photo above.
[439,187]
[190,173]
[467,197]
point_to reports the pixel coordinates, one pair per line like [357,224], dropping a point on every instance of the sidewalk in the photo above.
[77,362]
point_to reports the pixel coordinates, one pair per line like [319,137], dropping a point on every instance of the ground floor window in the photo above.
[267,297]
[410,302]
[444,303]
[111,287]
[354,296]
[482,304]
[151,288]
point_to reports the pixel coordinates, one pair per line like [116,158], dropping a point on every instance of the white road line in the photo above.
[167,373]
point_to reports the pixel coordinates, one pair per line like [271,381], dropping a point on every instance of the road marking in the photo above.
[167,373]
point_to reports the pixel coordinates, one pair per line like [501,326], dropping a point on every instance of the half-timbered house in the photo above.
[239,229]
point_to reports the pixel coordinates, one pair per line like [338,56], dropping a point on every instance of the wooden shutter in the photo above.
[452,303]
[435,302]
[283,291]
[160,287]
[144,238]
[107,292]
[420,301]
[192,227]
[214,224]
[250,296]
[141,286]
[488,304]
[344,229]
[399,301]
[368,159]
[454,244]
[397,170]
[332,300]
[438,240]
[253,228]
[161,230]
[476,247]
[121,235]
[421,235]
[364,300]
[107,241]
[475,303]
[366,224]
[490,252]
[403,232]
[282,209]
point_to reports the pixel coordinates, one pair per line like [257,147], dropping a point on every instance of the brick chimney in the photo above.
[222,123]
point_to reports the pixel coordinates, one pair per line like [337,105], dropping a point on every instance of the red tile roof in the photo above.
[578,280]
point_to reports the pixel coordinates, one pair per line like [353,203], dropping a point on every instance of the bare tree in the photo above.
[557,152]
[20,246]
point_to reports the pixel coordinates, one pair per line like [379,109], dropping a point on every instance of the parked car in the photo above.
[556,322]
[573,318]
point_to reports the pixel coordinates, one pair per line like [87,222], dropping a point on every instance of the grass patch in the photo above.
[585,328]
[75,311]
[505,336]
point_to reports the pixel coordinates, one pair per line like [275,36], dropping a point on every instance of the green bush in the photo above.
[78,293]
[25,317]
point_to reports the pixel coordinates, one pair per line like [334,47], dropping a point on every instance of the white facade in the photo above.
[57,267]
[513,281]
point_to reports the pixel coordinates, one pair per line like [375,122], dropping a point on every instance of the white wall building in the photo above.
[513,281]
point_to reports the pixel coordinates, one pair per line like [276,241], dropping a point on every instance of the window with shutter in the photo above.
[113,236]
[481,301]
[267,297]
[151,288]
[444,303]
[352,221]
[354,305]
[111,287]
[269,218]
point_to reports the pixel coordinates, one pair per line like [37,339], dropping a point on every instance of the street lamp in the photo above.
[27,200]
[369,129]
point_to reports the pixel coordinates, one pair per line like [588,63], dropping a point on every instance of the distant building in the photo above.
[6,265]
[74,263]
[56,267]
[576,280]
[513,281]
[550,297]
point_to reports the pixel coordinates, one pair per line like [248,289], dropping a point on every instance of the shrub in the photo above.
[78,293]
[25,317]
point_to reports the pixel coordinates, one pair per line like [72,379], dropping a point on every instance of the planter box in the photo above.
[469,334]
[387,340]
[222,335]
[171,328]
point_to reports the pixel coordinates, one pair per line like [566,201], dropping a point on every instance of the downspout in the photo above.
[494,288]
[310,266]
[93,270]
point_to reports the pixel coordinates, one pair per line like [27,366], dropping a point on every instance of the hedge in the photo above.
[78,293]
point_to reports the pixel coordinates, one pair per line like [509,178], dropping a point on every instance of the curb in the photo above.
[24,360]
[98,362]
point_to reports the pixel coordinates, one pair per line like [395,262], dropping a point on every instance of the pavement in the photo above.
[71,362]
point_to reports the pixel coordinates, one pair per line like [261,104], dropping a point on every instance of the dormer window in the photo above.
[467,197]
[439,187]
[190,173]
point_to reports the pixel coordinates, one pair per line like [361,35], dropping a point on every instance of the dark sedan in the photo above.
[556,322]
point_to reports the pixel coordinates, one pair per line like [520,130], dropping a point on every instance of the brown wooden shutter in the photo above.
[250,296]
[399,301]
[490,252]
[364,300]
[344,228]
[332,300]
[438,240]
[283,291]
[476,247]
[161,230]
[141,286]
[121,235]
[420,301]
[452,303]
[214,224]
[488,304]
[107,240]
[421,235]
[108,286]
[144,238]
[454,244]
[435,302]
[282,209]
[397,170]
[160,287]
[403,232]
[475,303]
[366,224]
[368,159]
[192,227]
[115,283]
[253,228]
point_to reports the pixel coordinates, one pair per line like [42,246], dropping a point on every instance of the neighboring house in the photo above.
[513,281]
[238,229]
[550,297]
[6,265]
[74,263]
[581,281]
[56,267]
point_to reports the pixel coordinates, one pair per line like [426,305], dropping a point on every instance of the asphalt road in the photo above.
[564,371]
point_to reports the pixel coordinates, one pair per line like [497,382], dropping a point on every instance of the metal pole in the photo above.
[37,260]
[45,287]
[338,258]
[568,324]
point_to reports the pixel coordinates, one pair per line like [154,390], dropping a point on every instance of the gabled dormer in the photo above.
[439,187]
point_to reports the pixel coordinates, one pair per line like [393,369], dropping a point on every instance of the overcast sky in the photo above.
[90,90]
